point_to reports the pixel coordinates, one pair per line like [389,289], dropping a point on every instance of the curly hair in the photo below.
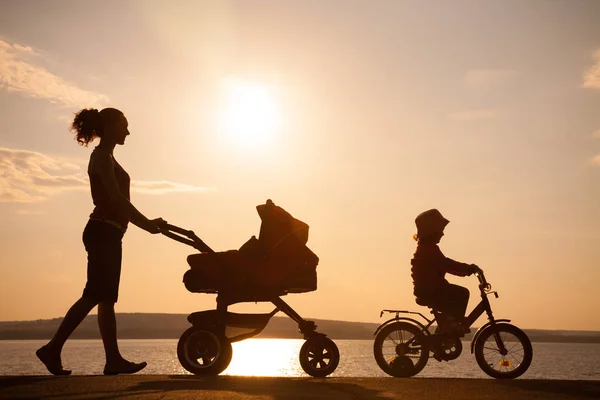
[88,123]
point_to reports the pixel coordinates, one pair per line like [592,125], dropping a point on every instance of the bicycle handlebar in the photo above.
[184,236]
[483,283]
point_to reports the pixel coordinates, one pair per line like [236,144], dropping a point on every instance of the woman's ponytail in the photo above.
[87,126]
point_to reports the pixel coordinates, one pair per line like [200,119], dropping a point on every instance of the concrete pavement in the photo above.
[237,388]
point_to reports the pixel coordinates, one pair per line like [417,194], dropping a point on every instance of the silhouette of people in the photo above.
[102,239]
[429,267]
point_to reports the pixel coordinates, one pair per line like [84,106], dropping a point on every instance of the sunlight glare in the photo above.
[250,115]
[266,357]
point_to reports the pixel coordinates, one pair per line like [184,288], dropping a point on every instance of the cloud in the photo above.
[595,160]
[29,212]
[164,187]
[18,73]
[591,77]
[31,177]
[489,78]
[475,114]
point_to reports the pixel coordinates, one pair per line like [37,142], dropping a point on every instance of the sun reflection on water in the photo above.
[266,357]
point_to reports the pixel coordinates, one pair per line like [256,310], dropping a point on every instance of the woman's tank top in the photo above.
[104,209]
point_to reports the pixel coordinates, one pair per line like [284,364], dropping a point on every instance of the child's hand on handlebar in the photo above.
[475,269]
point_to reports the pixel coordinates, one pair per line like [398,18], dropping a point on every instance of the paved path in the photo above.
[230,388]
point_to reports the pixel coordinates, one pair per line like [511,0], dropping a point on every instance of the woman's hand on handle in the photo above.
[154,225]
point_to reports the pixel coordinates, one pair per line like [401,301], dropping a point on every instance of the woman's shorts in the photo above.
[103,244]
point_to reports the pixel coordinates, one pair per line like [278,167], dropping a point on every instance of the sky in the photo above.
[354,116]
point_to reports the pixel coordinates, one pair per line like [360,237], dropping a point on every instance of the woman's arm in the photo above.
[102,165]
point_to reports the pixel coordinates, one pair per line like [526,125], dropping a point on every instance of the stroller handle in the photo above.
[184,236]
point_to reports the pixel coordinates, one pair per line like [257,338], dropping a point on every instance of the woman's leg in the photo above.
[107,322]
[50,353]
[73,318]
[115,363]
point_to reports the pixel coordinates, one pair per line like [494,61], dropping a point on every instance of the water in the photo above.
[279,357]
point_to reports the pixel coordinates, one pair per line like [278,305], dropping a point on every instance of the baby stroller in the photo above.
[263,269]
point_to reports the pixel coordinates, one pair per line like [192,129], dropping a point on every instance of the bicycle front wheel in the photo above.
[503,351]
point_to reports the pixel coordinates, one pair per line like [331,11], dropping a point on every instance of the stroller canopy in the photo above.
[278,225]
[277,262]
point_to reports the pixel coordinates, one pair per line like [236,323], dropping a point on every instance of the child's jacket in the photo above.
[429,267]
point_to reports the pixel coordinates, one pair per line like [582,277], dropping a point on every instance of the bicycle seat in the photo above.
[420,301]
[424,302]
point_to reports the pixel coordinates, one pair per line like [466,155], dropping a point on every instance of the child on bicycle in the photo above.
[429,267]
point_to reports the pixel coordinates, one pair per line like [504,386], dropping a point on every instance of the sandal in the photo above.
[53,364]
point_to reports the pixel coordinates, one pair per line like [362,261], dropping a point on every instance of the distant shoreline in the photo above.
[465,339]
[171,326]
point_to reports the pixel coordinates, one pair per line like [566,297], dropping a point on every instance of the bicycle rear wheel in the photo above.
[401,349]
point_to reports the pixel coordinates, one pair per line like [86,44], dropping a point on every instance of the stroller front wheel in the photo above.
[319,356]
[203,352]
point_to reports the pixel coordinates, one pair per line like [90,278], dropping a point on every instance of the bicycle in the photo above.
[403,345]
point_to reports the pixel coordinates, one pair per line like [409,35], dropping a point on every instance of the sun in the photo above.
[250,116]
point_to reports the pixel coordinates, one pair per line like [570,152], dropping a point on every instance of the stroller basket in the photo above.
[237,326]
[278,262]
[231,272]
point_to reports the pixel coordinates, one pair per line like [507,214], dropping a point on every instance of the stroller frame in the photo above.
[205,348]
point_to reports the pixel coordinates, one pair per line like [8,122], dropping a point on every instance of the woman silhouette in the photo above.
[102,236]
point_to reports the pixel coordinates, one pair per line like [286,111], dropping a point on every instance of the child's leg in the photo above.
[456,298]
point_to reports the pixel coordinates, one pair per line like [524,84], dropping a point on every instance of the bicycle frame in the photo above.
[483,307]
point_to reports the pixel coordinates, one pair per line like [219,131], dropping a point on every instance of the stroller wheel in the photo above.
[203,352]
[319,356]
